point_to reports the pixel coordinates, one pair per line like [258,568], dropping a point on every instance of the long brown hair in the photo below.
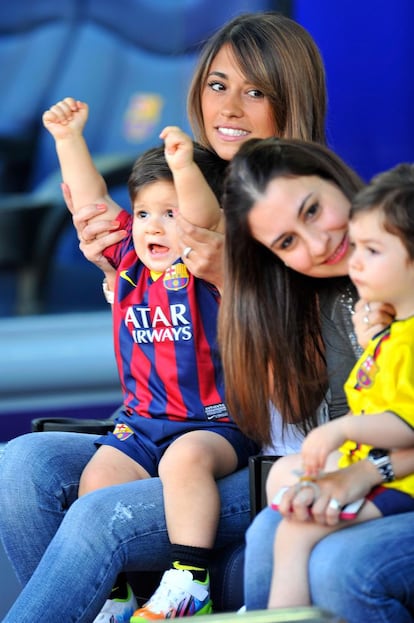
[281,59]
[269,324]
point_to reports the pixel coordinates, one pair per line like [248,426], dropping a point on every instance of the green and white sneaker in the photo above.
[178,595]
[118,610]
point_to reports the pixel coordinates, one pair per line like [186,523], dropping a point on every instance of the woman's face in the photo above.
[304,221]
[233,109]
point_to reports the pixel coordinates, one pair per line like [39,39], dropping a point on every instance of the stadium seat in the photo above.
[132,62]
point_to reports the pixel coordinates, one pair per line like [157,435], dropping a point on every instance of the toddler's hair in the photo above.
[391,192]
[152,166]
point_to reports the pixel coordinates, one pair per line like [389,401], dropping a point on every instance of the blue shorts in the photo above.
[391,501]
[146,439]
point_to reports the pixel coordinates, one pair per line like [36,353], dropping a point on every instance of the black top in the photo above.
[342,349]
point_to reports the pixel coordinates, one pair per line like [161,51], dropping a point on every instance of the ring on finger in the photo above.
[367,307]
[366,320]
[334,504]
[308,484]
[187,252]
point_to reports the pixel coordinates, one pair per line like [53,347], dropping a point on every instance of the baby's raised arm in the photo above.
[196,200]
[65,121]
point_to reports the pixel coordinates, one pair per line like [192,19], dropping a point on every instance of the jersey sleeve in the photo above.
[115,252]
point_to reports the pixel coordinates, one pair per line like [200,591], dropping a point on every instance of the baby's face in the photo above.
[379,265]
[154,229]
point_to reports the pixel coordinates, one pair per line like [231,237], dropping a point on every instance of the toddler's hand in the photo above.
[317,446]
[178,147]
[370,318]
[66,118]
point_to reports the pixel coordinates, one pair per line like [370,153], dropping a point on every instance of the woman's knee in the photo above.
[24,460]
[45,464]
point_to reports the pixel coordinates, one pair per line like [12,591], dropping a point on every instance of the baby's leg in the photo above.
[109,466]
[292,548]
[188,470]
[284,473]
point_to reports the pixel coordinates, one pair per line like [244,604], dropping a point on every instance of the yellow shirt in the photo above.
[383,380]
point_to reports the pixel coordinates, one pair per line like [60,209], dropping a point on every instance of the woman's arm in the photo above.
[96,232]
[206,259]
[345,485]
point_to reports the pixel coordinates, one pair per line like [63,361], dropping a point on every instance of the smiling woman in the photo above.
[292,337]
[232,107]
[260,75]
[310,233]
[281,193]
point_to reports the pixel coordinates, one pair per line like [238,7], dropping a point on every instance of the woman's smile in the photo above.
[340,253]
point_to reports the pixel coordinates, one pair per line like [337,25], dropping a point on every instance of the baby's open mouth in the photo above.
[157,249]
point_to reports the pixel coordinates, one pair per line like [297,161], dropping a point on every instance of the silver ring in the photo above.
[366,320]
[187,252]
[334,504]
[367,307]
[308,484]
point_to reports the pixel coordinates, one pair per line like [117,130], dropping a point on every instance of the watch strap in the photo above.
[381,459]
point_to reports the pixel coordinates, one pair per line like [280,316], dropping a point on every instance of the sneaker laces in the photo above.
[175,585]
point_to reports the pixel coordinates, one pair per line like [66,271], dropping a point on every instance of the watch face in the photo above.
[378,453]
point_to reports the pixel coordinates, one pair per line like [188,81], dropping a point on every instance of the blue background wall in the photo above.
[368,48]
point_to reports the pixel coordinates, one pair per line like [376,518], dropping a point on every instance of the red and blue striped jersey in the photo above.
[165,337]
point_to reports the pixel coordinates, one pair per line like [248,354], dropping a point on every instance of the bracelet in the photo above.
[108,294]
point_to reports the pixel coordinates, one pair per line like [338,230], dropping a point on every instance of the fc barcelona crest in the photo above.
[176,277]
[122,431]
[367,372]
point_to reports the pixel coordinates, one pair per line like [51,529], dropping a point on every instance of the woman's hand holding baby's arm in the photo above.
[343,485]
[95,235]
[206,259]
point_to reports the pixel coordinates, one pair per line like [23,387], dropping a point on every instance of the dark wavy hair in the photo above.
[151,166]
[269,322]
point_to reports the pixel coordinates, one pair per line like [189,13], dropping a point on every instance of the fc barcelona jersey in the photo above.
[383,380]
[165,338]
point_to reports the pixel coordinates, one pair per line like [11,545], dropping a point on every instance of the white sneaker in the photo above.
[178,595]
[118,610]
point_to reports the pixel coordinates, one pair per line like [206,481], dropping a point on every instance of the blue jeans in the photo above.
[363,574]
[66,551]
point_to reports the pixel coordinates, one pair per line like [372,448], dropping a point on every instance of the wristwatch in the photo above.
[108,294]
[381,459]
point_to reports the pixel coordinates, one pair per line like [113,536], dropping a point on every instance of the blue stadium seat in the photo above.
[132,62]
[33,38]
